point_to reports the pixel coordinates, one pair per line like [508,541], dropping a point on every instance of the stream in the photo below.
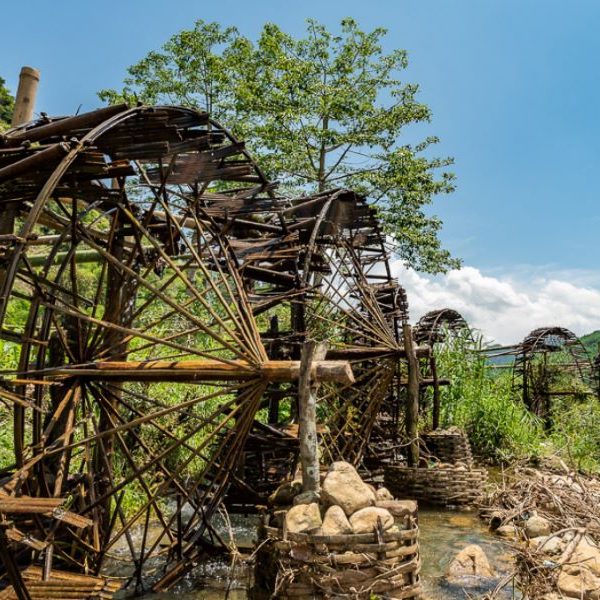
[443,533]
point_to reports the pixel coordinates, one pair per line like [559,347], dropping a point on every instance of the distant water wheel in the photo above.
[133,364]
[436,329]
[542,359]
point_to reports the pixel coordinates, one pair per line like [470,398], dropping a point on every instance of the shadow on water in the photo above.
[443,534]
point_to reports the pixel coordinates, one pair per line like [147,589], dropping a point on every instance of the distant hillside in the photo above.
[592,342]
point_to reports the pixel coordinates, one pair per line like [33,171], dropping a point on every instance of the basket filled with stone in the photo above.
[347,541]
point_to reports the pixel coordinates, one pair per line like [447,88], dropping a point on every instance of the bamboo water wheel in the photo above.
[435,329]
[134,365]
[156,296]
[544,355]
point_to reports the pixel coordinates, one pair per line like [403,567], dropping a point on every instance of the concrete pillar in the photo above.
[29,79]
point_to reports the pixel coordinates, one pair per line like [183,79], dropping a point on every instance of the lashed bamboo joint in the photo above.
[334,371]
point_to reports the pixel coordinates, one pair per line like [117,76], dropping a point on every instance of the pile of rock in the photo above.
[566,562]
[555,518]
[348,539]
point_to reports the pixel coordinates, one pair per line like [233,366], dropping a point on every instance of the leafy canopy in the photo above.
[7,103]
[326,110]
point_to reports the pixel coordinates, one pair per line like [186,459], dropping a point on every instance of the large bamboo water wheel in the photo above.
[134,366]
[542,361]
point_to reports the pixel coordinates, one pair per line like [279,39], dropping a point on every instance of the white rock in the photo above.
[575,581]
[399,508]
[365,519]
[470,561]
[335,522]
[383,494]
[587,554]
[303,517]
[344,487]
[537,526]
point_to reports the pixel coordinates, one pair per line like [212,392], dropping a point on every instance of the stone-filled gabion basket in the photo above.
[449,485]
[302,566]
[449,446]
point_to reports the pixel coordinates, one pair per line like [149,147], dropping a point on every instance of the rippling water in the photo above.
[442,535]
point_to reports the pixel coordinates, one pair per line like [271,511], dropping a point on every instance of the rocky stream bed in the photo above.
[539,528]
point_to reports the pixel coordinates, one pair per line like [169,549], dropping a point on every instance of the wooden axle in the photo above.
[210,370]
[368,352]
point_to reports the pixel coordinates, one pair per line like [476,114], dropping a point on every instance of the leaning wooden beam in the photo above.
[336,371]
[64,126]
[366,352]
[43,159]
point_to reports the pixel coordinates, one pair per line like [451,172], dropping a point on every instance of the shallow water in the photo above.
[443,533]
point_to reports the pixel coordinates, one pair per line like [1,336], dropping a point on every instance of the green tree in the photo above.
[7,103]
[327,110]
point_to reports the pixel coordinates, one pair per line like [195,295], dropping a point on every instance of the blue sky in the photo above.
[514,87]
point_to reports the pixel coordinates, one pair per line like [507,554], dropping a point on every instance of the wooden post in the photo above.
[29,78]
[274,353]
[412,397]
[436,393]
[23,111]
[307,431]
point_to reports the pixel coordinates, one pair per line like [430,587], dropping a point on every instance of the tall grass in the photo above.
[482,401]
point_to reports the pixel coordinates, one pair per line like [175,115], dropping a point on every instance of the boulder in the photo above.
[399,508]
[575,581]
[344,487]
[550,545]
[365,519]
[383,494]
[470,561]
[537,526]
[284,495]
[303,518]
[587,554]
[335,522]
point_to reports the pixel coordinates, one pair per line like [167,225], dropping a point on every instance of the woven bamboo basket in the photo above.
[302,566]
[449,446]
[446,486]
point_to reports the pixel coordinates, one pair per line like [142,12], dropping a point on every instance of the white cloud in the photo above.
[505,308]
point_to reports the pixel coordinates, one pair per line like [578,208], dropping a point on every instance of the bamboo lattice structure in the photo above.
[155,296]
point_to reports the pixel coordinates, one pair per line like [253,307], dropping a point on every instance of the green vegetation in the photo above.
[7,103]
[488,406]
[327,110]
[591,341]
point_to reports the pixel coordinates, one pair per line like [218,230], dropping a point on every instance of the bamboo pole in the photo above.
[412,400]
[23,112]
[312,353]
[29,79]
[200,370]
